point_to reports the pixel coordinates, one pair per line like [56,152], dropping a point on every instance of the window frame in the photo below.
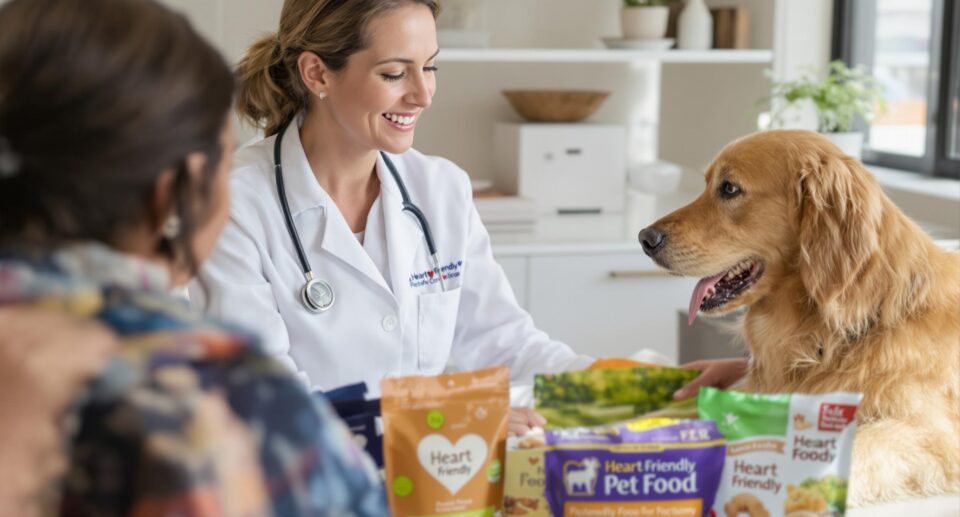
[946,165]
[943,74]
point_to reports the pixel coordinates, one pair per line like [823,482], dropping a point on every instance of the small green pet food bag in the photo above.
[787,454]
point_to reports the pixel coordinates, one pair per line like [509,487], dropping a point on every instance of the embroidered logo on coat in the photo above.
[430,277]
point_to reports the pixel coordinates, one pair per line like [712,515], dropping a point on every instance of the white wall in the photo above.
[696,111]
[802,46]
[704,107]
[802,38]
[679,112]
[468,101]
[232,25]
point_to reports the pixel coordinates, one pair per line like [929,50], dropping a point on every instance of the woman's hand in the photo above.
[44,358]
[522,419]
[719,373]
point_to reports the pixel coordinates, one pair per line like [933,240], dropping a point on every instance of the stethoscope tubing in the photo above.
[282,194]
[408,206]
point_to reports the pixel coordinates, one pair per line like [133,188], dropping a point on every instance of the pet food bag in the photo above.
[524,479]
[603,396]
[444,443]
[644,468]
[787,454]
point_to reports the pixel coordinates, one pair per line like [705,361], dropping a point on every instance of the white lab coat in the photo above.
[381,324]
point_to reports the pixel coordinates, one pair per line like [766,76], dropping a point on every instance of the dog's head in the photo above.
[778,205]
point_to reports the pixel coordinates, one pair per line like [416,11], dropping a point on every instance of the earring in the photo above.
[322,95]
[171,227]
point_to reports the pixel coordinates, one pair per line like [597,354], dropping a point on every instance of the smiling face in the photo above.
[378,97]
[740,235]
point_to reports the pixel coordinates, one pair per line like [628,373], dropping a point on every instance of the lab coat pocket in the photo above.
[436,323]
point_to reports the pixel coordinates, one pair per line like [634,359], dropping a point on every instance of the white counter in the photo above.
[593,233]
[570,234]
[576,234]
[933,202]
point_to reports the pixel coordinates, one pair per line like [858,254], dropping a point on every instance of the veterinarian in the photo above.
[396,276]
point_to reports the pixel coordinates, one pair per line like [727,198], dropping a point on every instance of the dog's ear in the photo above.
[840,208]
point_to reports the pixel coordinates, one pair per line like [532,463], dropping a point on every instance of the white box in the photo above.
[565,168]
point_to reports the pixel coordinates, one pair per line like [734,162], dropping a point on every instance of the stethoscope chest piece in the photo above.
[317,295]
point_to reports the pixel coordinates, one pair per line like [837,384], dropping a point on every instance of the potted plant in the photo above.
[837,99]
[644,19]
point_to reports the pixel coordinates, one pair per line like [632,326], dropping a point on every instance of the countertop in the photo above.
[930,186]
[924,198]
[930,201]
[585,234]
[571,234]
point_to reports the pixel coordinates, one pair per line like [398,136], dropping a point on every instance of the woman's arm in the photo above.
[718,373]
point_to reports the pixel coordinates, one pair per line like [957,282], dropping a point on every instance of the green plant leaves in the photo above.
[838,99]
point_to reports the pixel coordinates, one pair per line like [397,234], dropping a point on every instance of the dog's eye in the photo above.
[729,190]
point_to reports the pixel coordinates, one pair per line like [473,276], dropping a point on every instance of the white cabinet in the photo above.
[601,303]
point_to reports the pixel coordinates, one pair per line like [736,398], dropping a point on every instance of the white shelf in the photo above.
[509,55]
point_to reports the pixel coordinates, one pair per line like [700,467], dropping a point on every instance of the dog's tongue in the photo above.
[704,286]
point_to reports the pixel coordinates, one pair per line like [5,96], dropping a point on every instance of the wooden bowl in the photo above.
[555,105]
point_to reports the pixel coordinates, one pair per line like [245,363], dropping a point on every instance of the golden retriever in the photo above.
[843,293]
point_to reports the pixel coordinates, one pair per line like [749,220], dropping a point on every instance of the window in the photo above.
[911,48]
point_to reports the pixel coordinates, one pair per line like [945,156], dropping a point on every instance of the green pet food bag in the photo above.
[605,396]
[787,454]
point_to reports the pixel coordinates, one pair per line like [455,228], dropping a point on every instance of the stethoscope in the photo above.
[316,294]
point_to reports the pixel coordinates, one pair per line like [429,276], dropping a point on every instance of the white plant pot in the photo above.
[849,143]
[644,23]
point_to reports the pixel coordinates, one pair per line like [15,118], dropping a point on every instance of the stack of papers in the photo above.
[506,213]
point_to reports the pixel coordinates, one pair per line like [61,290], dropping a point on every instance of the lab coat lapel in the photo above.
[340,242]
[404,238]
[305,195]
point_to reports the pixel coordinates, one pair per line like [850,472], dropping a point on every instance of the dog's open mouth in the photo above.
[718,290]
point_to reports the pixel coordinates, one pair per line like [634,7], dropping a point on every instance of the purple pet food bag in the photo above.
[656,467]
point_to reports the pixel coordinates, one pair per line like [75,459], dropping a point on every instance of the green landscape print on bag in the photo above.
[593,397]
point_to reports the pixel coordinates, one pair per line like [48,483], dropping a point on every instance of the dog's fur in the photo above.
[854,297]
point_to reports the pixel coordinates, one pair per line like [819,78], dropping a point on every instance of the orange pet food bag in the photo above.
[445,443]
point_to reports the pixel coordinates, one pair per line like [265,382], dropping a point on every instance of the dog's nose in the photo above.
[652,239]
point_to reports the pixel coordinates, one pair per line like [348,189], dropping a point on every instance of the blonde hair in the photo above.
[271,91]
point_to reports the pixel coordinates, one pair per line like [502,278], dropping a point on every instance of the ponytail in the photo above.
[266,98]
